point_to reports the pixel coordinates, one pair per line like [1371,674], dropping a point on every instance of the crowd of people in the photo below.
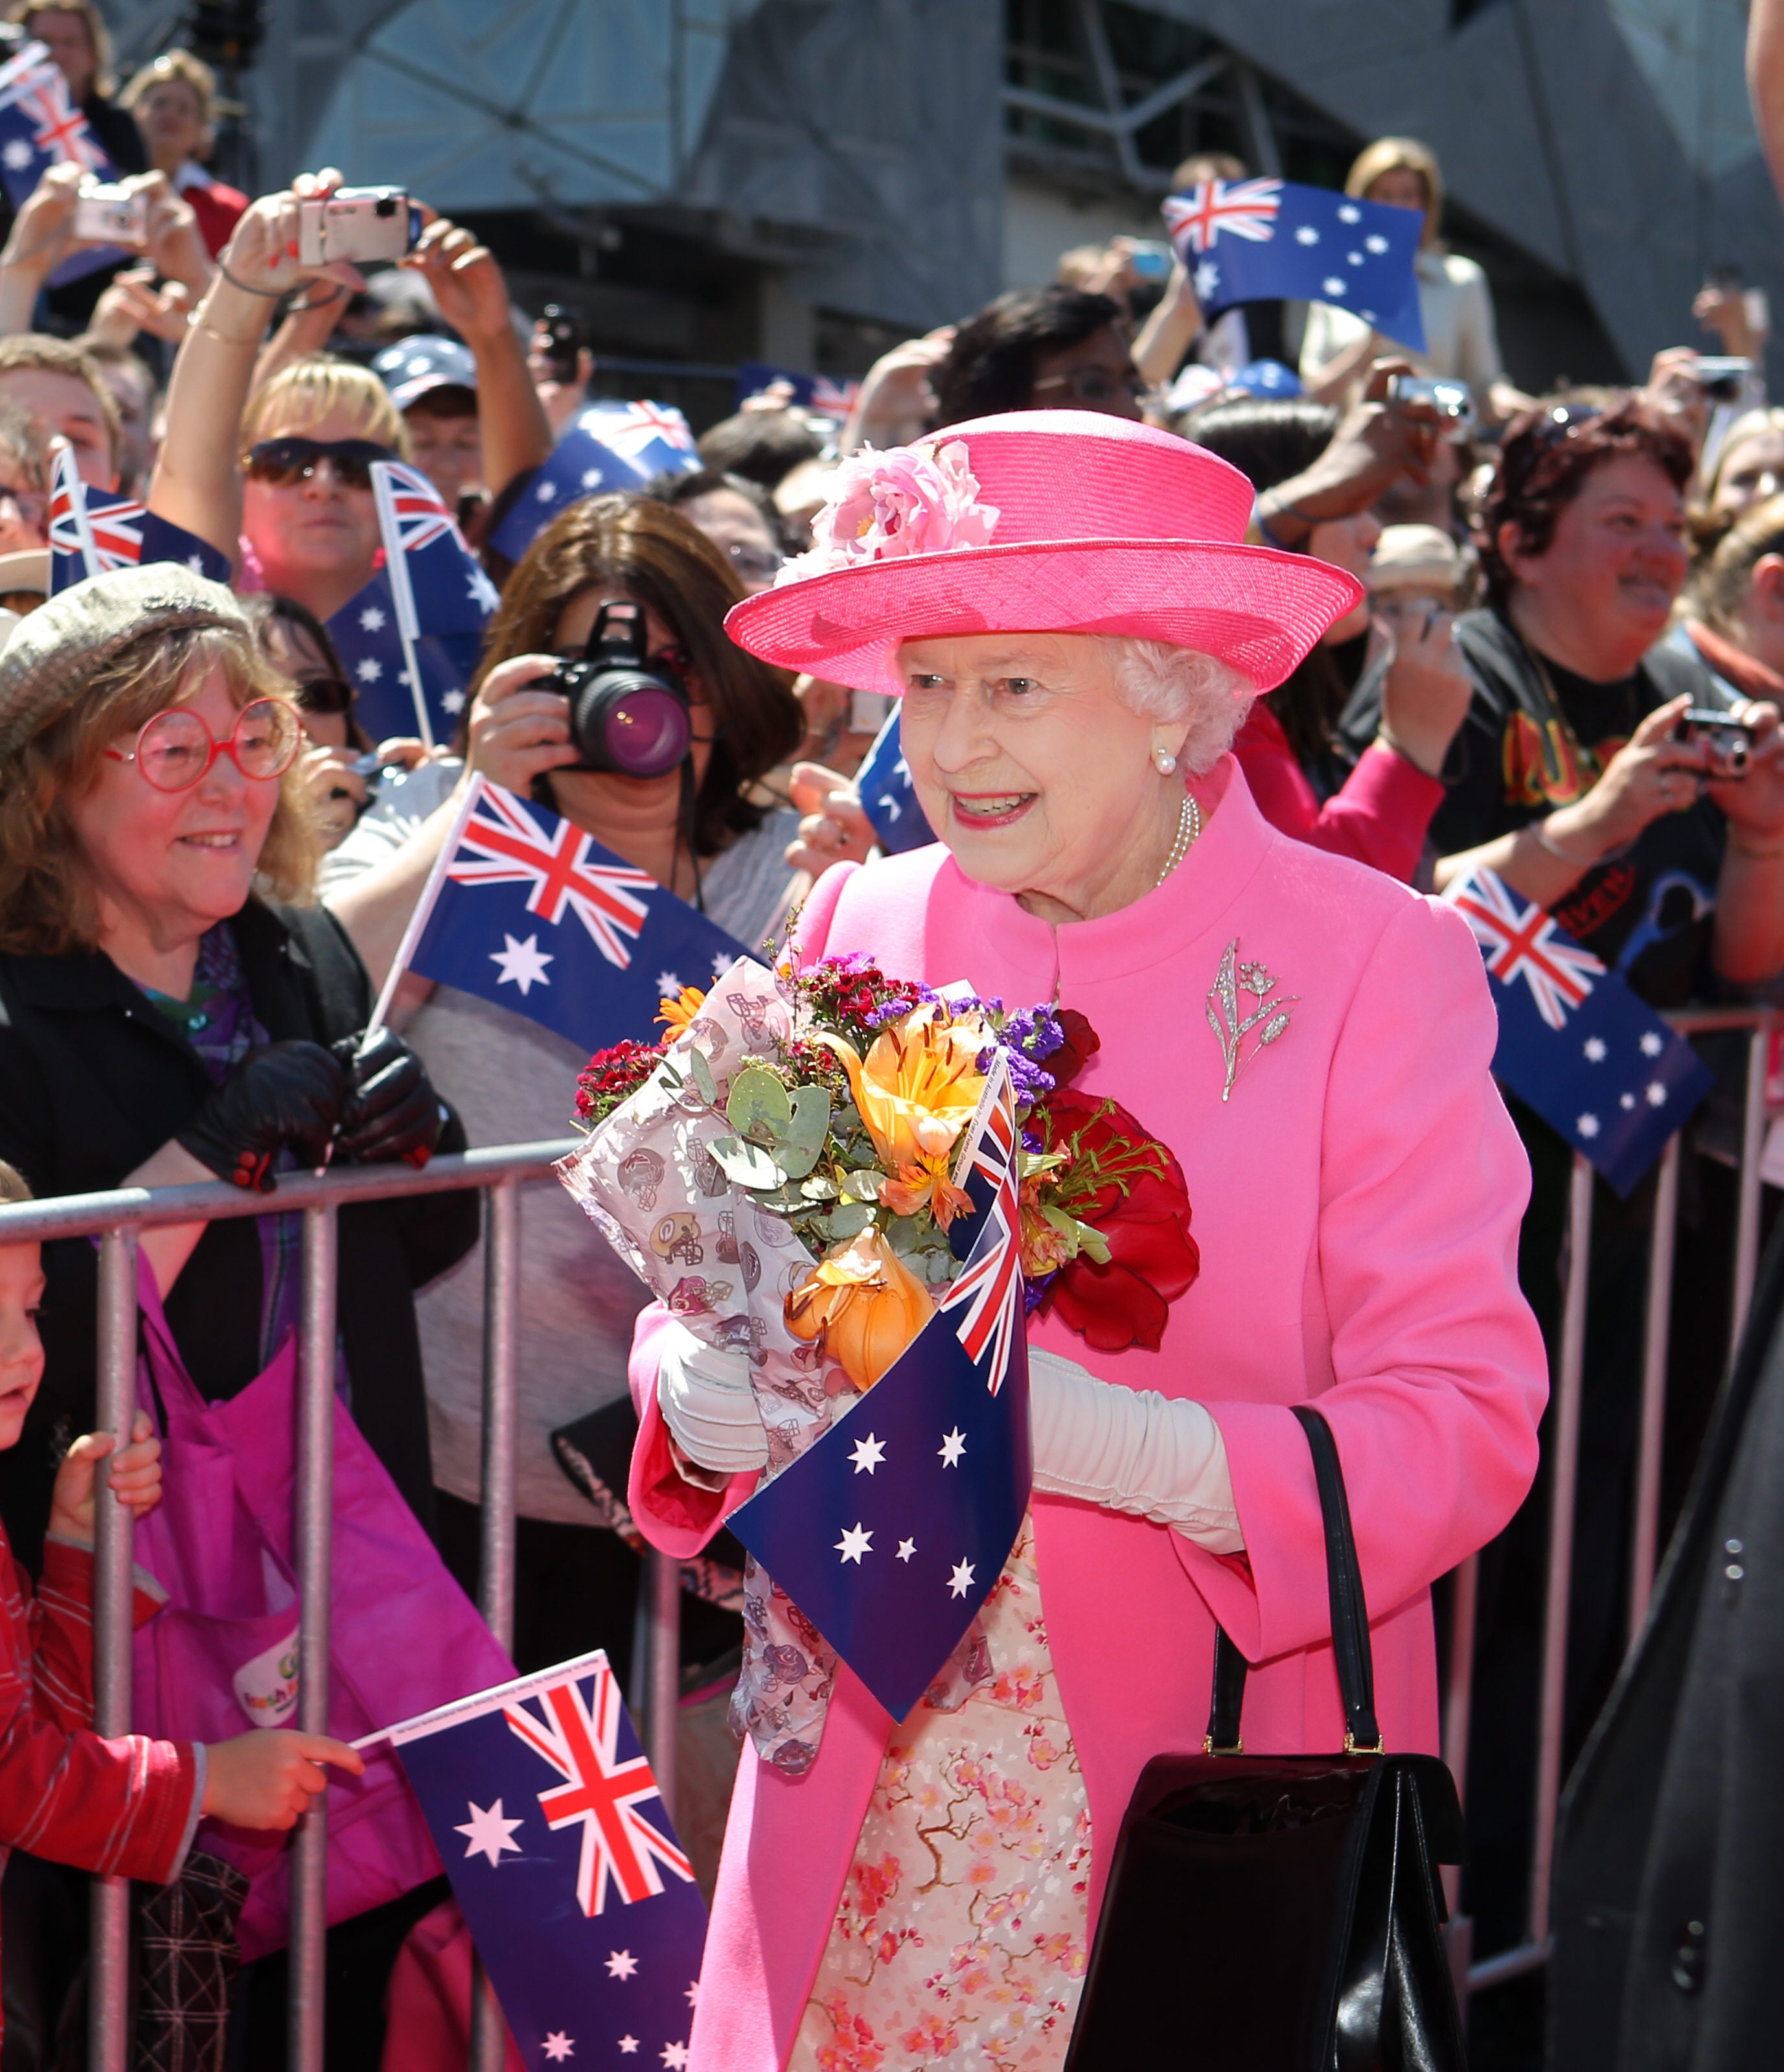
[207,864]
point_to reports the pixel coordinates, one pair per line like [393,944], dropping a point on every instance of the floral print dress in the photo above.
[961,1936]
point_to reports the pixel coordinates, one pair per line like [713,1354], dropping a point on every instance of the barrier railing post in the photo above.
[108,2017]
[1644,1548]
[495,1566]
[1565,1468]
[1458,1706]
[1752,1145]
[662,1580]
[312,1514]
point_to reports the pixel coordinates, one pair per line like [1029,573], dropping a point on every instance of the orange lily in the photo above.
[865,1303]
[923,1184]
[920,1083]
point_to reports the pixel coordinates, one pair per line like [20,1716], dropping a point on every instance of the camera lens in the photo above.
[385,205]
[645,731]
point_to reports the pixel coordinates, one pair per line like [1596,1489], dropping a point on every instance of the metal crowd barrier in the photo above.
[116,1219]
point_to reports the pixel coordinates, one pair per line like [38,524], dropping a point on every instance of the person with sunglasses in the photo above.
[1052,348]
[277,476]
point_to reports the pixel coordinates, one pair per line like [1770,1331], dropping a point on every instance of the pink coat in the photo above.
[1357,1203]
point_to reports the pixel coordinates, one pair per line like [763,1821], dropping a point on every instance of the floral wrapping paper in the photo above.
[725,1266]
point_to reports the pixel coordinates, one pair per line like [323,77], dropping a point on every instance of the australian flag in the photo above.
[1257,240]
[526,911]
[1595,1061]
[423,615]
[606,447]
[581,1900]
[41,127]
[91,532]
[887,796]
[822,393]
[890,1531]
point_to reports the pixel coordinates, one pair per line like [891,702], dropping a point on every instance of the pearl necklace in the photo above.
[1189,828]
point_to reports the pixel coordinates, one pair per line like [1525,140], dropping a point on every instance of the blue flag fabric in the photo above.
[580,1900]
[1595,1063]
[41,127]
[1254,241]
[91,531]
[821,392]
[607,446]
[889,1532]
[530,913]
[887,796]
[431,598]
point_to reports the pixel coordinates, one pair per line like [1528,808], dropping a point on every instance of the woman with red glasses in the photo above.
[276,475]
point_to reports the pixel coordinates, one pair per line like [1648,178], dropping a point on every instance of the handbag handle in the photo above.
[1350,1648]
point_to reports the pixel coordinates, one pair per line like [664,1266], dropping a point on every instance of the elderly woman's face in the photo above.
[178,862]
[1034,769]
[316,526]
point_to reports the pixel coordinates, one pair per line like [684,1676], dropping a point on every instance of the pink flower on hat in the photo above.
[906,500]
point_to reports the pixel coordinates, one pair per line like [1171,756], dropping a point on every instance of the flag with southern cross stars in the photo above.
[524,910]
[1255,240]
[41,127]
[1592,1058]
[423,615]
[580,1899]
[608,446]
[887,796]
[890,1531]
[91,531]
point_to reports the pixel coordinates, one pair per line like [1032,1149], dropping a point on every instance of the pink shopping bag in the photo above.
[221,1657]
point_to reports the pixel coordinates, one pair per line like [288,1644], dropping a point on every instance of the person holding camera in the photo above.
[281,484]
[687,816]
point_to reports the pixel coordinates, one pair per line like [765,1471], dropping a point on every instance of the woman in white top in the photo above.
[1461,341]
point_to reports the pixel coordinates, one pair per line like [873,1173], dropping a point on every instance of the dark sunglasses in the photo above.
[281,462]
[323,694]
[1098,384]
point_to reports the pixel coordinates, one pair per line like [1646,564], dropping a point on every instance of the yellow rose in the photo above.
[920,1083]
[863,1302]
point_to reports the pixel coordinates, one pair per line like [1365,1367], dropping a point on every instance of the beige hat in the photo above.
[1415,558]
[54,652]
[28,569]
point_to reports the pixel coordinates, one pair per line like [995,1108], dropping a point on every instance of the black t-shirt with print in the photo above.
[1648,914]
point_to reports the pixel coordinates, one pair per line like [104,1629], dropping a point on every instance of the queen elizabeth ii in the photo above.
[1064,603]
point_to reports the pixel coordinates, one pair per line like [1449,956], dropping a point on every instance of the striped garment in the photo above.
[126,1807]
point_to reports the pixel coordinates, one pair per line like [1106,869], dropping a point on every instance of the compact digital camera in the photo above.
[627,713]
[357,223]
[110,215]
[1451,400]
[1730,739]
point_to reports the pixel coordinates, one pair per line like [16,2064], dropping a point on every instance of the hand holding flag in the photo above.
[91,531]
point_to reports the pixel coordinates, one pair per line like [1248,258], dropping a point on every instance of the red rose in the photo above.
[1152,1258]
[1082,1044]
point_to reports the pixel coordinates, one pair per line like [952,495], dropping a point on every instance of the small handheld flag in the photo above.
[91,531]
[41,127]
[607,446]
[525,910]
[1254,241]
[1575,1043]
[821,393]
[409,640]
[887,796]
[890,1531]
[580,1899]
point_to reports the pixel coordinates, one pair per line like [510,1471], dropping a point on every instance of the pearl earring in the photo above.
[1163,761]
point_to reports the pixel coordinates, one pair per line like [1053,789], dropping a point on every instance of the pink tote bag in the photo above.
[221,1657]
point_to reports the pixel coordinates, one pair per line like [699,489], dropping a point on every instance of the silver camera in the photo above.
[1450,401]
[110,215]
[357,223]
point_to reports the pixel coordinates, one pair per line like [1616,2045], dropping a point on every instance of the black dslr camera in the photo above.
[627,713]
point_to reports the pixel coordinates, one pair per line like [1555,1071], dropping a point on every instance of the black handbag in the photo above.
[1281,1912]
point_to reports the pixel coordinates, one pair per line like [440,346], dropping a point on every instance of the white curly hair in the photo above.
[1161,682]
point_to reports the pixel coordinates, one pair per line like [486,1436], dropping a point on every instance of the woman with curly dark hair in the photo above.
[697,830]
[1051,348]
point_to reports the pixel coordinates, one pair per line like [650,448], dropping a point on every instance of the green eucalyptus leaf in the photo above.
[795,1158]
[748,1165]
[810,1121]
[757,1106]
[849,1219]
[819,1189]
[701,1074]
[863,1185]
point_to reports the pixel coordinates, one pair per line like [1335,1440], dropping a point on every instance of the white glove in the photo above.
[1130,1449]
[707,1403]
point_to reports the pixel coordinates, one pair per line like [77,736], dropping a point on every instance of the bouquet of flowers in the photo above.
[786,1168]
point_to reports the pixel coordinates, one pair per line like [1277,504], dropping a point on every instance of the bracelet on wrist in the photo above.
[266,294]
[1544,840]
[1385,737]
[1769,854]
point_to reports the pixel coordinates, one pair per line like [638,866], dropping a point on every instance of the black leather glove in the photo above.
[282,1093]
[391,1110]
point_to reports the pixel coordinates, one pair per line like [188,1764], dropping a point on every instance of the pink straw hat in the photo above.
[1039,521]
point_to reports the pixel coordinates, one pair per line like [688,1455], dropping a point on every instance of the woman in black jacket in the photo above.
[163,1017]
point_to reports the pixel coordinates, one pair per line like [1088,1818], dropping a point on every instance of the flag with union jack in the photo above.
[422,616]
[41,127]
[889,1531]
[91,531]
[1576,1042]
[579,1898]
[526,911]
[606,447]
[1261,240]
